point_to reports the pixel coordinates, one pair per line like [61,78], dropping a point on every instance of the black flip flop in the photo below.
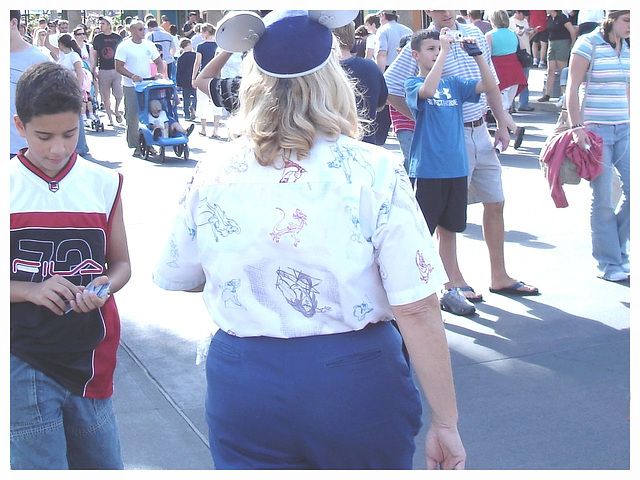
[513,290]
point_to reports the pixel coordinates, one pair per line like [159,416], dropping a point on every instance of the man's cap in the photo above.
[392,12]
[107,19]
[286,43]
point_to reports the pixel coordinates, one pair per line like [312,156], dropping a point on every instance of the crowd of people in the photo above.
[332,309]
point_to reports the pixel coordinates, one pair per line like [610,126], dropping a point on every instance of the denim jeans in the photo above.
[188,100]
[81,146]
[610,222]
[523,98]
[53,429]
[404,139]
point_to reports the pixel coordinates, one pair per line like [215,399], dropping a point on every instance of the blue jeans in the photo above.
[523,98]
[404,139]
[188,100]
[53,429]
[81,146]
[610,223]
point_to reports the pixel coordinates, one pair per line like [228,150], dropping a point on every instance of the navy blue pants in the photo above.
[344,401]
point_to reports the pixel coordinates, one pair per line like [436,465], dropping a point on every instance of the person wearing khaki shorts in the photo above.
[110,81]
[485,172]
[104,69]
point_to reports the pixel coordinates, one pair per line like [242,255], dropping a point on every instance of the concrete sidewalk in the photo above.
[542,382]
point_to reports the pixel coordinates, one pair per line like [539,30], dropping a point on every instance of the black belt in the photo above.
[475,123]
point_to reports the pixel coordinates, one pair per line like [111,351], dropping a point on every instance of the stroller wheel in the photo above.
[144,148]
[178,149]
[185,152]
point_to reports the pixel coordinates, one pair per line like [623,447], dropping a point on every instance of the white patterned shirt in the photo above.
[458,63]
[317,246]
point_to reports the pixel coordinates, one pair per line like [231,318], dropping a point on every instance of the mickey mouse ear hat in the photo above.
[286,43]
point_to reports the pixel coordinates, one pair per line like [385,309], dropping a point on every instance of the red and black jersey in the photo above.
[62,226]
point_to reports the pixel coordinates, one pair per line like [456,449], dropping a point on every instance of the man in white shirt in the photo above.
[133,61]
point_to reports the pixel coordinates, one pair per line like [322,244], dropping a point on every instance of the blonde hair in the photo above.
[285,115]
[155,107]
[500,19]
[208,28]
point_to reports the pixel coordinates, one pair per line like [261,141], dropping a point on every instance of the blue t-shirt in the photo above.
[438,148]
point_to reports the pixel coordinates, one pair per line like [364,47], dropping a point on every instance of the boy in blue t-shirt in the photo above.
[438,153]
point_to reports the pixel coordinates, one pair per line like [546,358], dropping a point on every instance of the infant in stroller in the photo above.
[160,125]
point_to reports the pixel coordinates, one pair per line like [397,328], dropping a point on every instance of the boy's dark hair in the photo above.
[418,37]
[15,14]
[46,89]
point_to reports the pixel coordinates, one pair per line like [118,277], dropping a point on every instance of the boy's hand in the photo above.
[53,292]
[87,300]
[445,40]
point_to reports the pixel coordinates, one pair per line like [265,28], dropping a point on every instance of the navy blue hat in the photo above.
[286,43]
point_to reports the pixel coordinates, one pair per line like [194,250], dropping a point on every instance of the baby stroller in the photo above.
[166,92]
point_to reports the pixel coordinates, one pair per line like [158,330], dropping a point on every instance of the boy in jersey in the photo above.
[67,238]
[438,153]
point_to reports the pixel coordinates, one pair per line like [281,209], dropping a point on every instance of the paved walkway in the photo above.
[542,382]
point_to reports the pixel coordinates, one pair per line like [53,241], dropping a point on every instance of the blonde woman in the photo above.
[306,242]
[503,44]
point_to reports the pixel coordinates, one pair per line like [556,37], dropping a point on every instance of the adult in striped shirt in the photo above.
[485,184]
[606,112]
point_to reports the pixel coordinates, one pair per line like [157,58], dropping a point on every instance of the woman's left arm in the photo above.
[572,32]
[577,69]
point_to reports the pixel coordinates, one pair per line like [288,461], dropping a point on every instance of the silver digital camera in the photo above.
[456,34]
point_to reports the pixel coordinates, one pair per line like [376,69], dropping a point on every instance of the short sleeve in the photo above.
[411,87]
[410,266]
[382,41]
[583,47]
[178,267]
[467,89]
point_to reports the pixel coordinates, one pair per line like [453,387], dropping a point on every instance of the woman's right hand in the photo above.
[444,449]
[581,138]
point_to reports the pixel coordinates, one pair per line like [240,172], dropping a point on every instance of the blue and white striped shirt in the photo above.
[607,100]
[458,63]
